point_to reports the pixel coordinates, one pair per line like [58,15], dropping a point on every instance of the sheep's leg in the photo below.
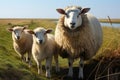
[56,61]
[48,66]
[81,65]
[29,59]
[70,63]
[22,58]
[39,66]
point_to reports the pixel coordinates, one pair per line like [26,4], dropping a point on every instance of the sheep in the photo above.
[22,42]
[44,47]
[78,34]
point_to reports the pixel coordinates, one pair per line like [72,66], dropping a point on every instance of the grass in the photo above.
[11,68]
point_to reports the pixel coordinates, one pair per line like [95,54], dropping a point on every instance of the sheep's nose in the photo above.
[40,41]
[72,24]
[18,37]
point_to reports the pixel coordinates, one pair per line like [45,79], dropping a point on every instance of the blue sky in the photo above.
[47,8]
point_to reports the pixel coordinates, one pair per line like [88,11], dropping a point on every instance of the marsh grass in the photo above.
[11,67]
[112,20]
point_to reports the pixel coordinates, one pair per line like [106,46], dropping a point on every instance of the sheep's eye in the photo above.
[77,16]
[45,33]
[67,15]
[14,32]
[35,34]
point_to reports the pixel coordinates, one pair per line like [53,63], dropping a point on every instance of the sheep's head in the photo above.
[73,17]
[17,31]
[39,34]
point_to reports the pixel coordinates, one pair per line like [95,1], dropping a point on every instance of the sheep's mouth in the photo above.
[72,27]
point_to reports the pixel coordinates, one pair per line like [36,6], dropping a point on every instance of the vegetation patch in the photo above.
[105,65]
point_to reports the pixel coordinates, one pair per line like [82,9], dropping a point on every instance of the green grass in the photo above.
[11,67]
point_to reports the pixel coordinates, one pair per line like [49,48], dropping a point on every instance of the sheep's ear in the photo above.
[31,32]
[49,31]
[61,11]
[10,29]
[24,27]
[84,10]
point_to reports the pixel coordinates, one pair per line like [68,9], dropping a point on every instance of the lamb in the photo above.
[78,34]
[44,47]
[22,42]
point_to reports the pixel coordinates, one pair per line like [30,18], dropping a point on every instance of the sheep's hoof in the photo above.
[81,78]
[48,75]
[70,74]
[30,65]
[57,70]
[66,78]
[39,72]
[27,61]
[23,60]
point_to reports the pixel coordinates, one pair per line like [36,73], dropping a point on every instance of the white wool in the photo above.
[79,40]
[45,50]
[86,38]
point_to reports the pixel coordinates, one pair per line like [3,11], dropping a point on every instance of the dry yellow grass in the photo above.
[112,20]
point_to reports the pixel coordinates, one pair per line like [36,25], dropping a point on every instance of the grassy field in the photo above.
[11,68]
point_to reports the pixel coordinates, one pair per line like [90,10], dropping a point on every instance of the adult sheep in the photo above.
[78,35]
[44,47]
[22,42]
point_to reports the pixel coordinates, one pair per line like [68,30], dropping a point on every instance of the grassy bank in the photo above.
[11,68]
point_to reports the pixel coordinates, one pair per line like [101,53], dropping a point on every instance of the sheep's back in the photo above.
[29,41]
[51,43]
[96,30]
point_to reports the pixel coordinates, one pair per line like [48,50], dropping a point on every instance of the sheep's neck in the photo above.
[42,46]
[20,41]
